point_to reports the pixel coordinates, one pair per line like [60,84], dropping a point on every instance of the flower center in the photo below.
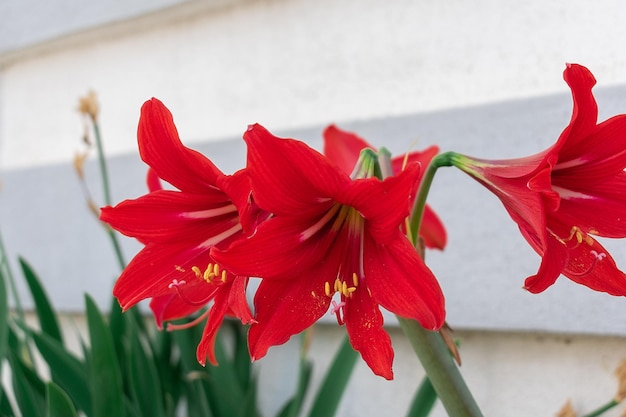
[345,291]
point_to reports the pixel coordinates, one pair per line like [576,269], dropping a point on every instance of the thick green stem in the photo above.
[441,369]
[429,346]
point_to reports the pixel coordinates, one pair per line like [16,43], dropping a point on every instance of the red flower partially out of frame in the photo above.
[332,242]
[562,197]
[178,228]
[344,147]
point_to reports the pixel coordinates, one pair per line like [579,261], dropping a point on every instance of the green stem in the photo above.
[606,407]
[103,166]
[104,175]
[430,347]
[441,160]
[441,370]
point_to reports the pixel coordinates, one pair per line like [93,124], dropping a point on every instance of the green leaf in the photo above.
[144,378]
[294,405]
[6,410]
[66,370]
[28,388]
[104,373]
[423,400]
[331,390]
[44,310]
[59,403]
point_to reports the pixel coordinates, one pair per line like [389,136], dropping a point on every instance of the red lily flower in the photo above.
[344,148]
[565,195]
[329,236]
[178,228]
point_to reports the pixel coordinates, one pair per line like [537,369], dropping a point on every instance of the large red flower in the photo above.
[565,195]
[178,228]
[331,241]
[344,148]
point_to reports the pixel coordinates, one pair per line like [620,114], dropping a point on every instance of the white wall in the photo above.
[481,77]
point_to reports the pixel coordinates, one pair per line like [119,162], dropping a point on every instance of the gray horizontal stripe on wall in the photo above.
[44,218]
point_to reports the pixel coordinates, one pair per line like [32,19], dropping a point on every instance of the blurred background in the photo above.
[482,78]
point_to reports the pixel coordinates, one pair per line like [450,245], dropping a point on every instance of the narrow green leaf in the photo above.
[105,375]
[66,370]
[423,400]
[29,390]
[4,316]
[304,378]
[331,390]
[6,410]
[44,310]
[58,402]
[144,378]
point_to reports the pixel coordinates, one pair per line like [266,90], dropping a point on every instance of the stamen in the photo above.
[171,326]
[211,271]
[197,271]
[597,258]
[580,236]
[355,279]
[176,284]
[327,289]
[320,223]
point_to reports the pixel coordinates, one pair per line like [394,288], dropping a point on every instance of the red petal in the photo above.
[153,181]
[593,266]
[422,157]
[154,268]
[161,148]
[552,264]
[432,230]
[584,114]
[275,249]
[169,216]
[238,302]
[384,204]
[343,148]
[598,210]
[172,307]
[216,317]
[289,177]
[365,329]
[284,308]
[400,281]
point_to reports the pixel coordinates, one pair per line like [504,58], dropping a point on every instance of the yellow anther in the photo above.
[216,269]
[580,236]
[344,289]
[208,274]
[327,289]
[196,271]
[224,275]
[351,290]
[355,279]
[337,285]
